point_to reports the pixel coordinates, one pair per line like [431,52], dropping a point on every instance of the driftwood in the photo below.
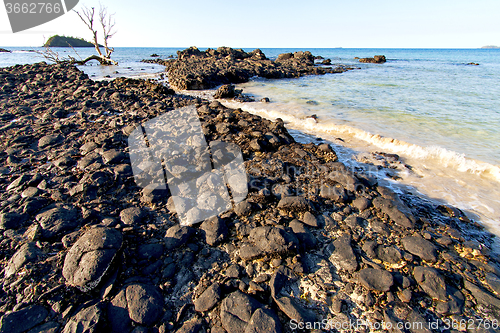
[53,56]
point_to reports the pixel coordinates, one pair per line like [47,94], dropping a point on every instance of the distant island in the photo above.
[4,50]
[63,41]
[491,47]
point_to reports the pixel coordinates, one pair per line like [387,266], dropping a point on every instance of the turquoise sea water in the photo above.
[440,114]
[428,97]
[431,107]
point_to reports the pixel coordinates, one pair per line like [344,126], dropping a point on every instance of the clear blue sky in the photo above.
[267,23]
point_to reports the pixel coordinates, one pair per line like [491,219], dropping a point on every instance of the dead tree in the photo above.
[107,23]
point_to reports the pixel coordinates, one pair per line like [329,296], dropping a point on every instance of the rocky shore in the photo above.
[313,247]
[194,69]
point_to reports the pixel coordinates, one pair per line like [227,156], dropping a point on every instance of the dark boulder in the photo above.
[86,320]
[132,215]
[22,320]
[333,192]
[145,303]
[431,282]
[378,59]
[28,252]
[306,238]
[420,247]
[271,240]
[396,210]
[225,91]
[280,286]
[243,208]
[12,220]
[215,230]
[241,313]
[294,203]
[482,296]
[90,257]
[177,236]
[398,315]
[236,311]
[341,254]
[208,299]
[389,254]
[376,279]
[49,140]
[57,220]
[140,303]
[310,220]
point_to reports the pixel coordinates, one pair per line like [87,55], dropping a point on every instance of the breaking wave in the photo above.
[297,119]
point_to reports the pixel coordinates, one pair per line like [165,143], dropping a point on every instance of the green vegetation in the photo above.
[63,41]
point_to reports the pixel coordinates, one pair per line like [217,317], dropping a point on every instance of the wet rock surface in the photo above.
[82,246]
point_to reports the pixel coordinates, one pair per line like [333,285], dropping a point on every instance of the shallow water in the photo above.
[128,58]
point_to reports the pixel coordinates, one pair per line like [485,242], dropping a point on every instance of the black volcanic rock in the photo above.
[208,299]
[376,279]
[225,91]
[378,59]
[272,240]
[195,69]
[420,247]
[58,220]
[341,254]
[22,320]
[89,319]
[89,258]
[28,252]
[431,282]
[177,235]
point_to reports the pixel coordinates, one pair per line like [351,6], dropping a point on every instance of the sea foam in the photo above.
[446,158]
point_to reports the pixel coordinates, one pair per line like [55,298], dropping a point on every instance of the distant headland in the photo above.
[63,41]
[491,47]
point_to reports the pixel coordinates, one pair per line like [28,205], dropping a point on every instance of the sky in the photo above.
[291,23]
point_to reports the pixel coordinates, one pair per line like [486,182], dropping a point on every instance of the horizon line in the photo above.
[293,47]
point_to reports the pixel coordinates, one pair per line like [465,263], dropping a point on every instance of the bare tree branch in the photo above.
[107,23]
[87,16]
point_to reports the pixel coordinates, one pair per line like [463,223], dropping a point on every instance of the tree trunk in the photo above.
[102,60]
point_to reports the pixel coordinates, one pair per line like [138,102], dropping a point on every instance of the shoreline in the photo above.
[409,164]
[401,171]
[350,247]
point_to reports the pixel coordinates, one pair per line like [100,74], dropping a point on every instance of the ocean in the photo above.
[436,111]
